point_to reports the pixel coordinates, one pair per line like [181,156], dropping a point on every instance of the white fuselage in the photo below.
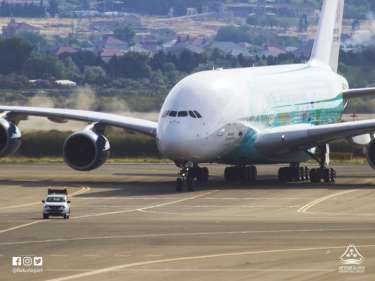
[241,102]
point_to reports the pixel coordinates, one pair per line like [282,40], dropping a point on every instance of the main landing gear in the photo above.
[240,173]
[327,174]
[188,173]
[296,173]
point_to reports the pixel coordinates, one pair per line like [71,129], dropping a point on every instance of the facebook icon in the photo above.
[17,261]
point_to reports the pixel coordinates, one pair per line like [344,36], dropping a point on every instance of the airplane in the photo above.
[238,117]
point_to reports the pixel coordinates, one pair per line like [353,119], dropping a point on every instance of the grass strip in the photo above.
[27,160]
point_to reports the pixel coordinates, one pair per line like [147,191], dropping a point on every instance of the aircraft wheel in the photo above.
[198,172]
[333,178]
[179,185]
[206,174]
[190,184]
[247,174]
[315,175]
[307,173]
[226,174]
[327,175]
[253,173]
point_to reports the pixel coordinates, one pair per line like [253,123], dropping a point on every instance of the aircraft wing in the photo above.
[18,113]
[305,136]
[358,93]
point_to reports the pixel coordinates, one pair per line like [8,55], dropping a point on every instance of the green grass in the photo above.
[354,161]
[27,160]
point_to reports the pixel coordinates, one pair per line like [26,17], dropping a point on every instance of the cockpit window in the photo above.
[165,114]
[191,113]
[182,114]
[198,115]
[173,113]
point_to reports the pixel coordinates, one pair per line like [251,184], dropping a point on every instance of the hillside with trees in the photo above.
[140,80]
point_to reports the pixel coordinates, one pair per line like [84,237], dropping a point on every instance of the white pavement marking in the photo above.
[20,226]
[186,234]
[319,200]
[120,267]
[83,190]
[146,208]
[16,206]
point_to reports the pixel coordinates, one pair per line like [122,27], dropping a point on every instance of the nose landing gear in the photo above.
[189,172]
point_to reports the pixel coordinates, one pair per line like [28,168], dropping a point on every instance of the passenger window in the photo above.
[182,114]
[165,114]
[191,113]
[173,113]
[198,115]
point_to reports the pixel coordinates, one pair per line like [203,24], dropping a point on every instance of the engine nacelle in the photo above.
[370,153]
[10,138]
[359,141]
[86,150]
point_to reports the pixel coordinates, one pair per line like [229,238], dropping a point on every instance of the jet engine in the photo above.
[86,150]
[370,152]
[10,138]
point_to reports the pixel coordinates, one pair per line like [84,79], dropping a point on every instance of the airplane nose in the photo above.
[172,149]
[172,140]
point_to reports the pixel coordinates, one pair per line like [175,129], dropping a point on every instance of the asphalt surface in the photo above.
[128,223]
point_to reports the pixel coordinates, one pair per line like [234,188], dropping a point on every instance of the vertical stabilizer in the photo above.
[328,36]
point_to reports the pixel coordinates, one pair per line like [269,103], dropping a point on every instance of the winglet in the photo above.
[327,40]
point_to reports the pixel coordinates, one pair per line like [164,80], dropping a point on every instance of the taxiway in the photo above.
[128,223]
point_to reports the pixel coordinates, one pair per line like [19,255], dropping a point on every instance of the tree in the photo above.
[157,77]
[180,8]
[160,58]
[83,58]
[94,75]
[38,66]
[285,23]
[125,33]
[251,20]
[53,7]
[188,61]
[134,65]
[14,52]
[40,41]
[72,71]
[303,24]
[231,33]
